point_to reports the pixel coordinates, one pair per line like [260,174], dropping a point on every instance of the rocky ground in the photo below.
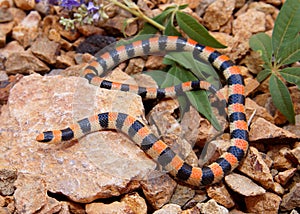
[105,172]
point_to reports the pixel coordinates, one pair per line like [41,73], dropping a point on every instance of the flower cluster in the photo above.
[80,11]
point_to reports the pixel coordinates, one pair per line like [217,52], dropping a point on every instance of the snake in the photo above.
[140,133]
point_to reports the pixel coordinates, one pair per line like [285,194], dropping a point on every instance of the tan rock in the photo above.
[264,131]
[220,194]
[11,48]
[218,13]
[70,207]
[31,195]
[115,207]
[18,14]
[102,165]
[291,200]
[169,208]
[135,202]
[251,85]
[154,63]
[260,112]
[296,153]
[182,195]
[192,3]
[5,28]
[135,66]
[25,4]
[8,175]
[243,185]
[24,62]
[158,188]
[252,21]
[266,203]
[211,207]
[283,177]
[65,60]
[274,2]
[6,3]
[279,155]
[193,210]
[255,167]
[45,50]
[27,31]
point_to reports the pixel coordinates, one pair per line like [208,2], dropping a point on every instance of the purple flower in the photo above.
[69,4]
[92,8]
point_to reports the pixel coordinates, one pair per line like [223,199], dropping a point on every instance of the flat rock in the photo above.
[169,208]
[101,208]
[24,62]
[45,49]
[266,203]
[218,13]
[25,4]
[256,168]
[31,195]
[182,195]
[220,194]
[8,175]
[260,112]
[101,165]
[252,21]
[27,31]
[265,132]
[158,188]
[212,207]
[291,200]
[284,177]
[243,185]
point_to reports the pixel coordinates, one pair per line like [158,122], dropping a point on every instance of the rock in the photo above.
[5,28]
[70,207]
[65,60]
[211,207]
[158,188]
[264,131]
[291,200]
[8,175]
[25,4]
[279,155]
[182,195]
[135,66]
[252,21]
[218,13]
[296,153]
[7,204]
[18,15]
[283,177]
[5,15]
[200,196]
[193,210]
[135,202]
[101,208]
[266,203]
[6,3]
[11,48]
[169,208]
[260,112]
[27,31]
[251,85]
[274,2]
[154,63]
[45,50]
[24,62]
[192,3]
[255,167]
[6,86]
[102,165]
[220,194]
[243,185]
[31,195]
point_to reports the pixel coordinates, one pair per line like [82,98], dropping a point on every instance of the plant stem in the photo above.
[139,14]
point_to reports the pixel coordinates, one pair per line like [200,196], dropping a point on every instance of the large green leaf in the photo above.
[291,52]
[286,27]
[281,98]
[262,43]
[170,29]
[196,31]
[198,99]
[262,75]
[291,75]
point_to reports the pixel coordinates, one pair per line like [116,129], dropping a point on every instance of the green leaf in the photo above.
[292,75]
[291,52]
[262,43]
[150,29]
[196,31]
[198,99]
[200,69]
[158,76]
[281,98]
[286,27]
[181,7]
[262,75]
[171,30]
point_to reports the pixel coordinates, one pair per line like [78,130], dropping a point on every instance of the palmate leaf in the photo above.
[286,27]
[196,31]
[281,98]
[291,52]
[262,43]
[262,75]
[292,75]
